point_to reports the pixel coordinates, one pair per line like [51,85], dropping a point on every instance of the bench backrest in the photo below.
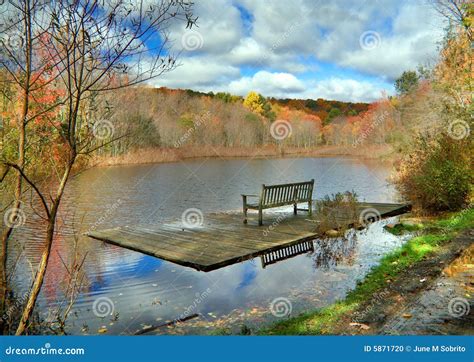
[286,194]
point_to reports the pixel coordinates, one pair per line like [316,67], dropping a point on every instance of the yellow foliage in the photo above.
[454,72]
[254,102]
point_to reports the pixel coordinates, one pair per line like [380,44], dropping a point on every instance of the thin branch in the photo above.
[38,192]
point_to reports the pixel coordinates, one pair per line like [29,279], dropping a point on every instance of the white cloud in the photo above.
[280,85]
[198,73]
[278,34]
[347,90]
[219,24]
[251,53]
[268,84]
[416,29]
[285,85]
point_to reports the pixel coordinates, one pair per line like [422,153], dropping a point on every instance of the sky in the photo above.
[348,50]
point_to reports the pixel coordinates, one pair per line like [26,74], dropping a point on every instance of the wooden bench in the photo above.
[280,195]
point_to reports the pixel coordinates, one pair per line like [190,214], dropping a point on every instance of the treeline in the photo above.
[162,117]
[325,110]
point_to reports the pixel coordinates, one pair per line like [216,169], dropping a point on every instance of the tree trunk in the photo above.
[21,160]
[43,265]
[39,277]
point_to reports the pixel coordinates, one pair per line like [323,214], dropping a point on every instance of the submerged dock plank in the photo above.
[223,239]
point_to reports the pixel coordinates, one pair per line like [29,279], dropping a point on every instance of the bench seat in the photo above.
[272,196]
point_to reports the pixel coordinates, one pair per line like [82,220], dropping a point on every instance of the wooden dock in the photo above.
[223,239]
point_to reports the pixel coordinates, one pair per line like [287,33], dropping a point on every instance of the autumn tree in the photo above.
[102,46]
[406,82]
[28,101]
[436,172]
[258,104]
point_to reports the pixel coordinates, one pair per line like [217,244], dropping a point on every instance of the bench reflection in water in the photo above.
[326,253]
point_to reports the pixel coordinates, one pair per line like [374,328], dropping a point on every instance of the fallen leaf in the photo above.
[422,280]
[103,329]
[360,325]
[407,315]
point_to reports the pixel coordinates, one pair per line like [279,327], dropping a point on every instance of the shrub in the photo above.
[437,174]
[336,211]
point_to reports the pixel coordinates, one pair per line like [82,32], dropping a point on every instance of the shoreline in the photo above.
[387,300]
[382,153]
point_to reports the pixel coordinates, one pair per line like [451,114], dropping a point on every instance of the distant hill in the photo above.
[325,110]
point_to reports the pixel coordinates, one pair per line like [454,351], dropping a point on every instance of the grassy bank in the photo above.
[432,235]
[163,155]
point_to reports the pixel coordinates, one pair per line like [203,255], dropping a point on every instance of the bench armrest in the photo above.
[251,195]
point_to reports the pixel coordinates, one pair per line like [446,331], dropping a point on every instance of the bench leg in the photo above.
[244,207]
[295,211]
[260,217]
[310,208]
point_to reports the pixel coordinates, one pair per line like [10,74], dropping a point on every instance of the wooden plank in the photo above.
[196,262]
[169,240]
[224,239]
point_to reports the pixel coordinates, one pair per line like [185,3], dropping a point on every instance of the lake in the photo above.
[144,291]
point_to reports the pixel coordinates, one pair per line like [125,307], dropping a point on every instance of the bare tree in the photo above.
[458,11]
[24,73]
[94,46]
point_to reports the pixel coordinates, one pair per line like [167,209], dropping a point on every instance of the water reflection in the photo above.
[148,291]
[287,252]
[330,252]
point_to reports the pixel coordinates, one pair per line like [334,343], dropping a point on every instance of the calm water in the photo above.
[147,291]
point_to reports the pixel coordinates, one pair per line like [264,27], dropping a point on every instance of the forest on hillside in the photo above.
[179,118]
[428,100]
[136,118]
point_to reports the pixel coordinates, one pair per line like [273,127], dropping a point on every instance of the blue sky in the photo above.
[343,50]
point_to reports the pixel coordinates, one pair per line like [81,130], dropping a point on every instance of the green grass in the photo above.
[403,228]
[434,234]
